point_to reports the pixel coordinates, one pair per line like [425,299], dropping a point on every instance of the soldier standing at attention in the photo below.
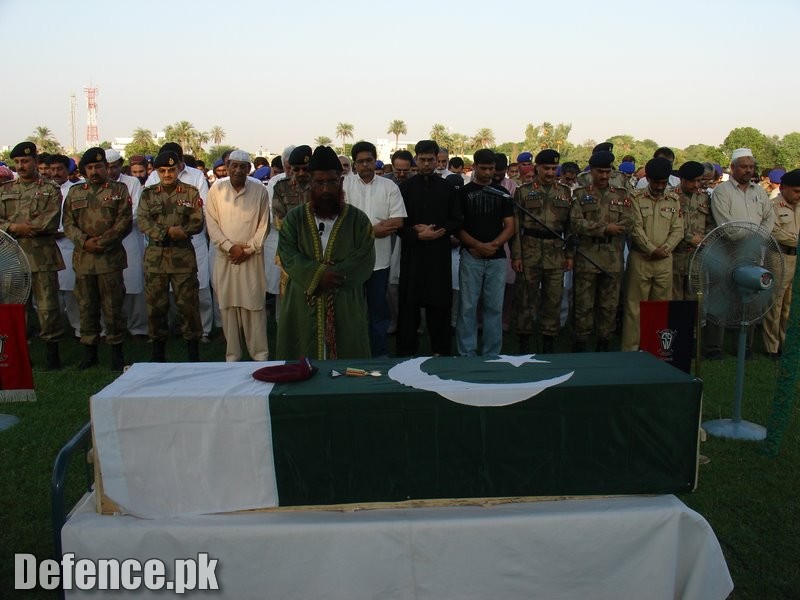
[602,215]
[97,215]
[538,255]
[30,211]
[657,229]
[697,221]
[170,213]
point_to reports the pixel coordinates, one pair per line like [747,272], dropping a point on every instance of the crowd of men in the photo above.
[353,250]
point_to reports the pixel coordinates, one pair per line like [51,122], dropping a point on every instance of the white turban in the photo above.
[738,153]
[239,156]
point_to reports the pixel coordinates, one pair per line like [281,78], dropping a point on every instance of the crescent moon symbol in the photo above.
[409,373]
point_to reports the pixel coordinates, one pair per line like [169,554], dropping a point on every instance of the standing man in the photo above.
[97,216]
[238,219]
[657,229]
[434,214]
[525,168]
[785,231]
[697,221]
[488,225]
[170,214]
[138,166]
[601,215]
[328,250]
[380,199]
[30,211]
[537,255]
[401,166]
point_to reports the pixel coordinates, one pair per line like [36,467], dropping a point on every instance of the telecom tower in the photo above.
[92,136]
[73,106]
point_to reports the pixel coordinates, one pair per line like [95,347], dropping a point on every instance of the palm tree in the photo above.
[182,132]
[45,140]
[397,128]
[440,135]
[323,140]
[458,143]
[142,137]
[484,138]
[344,131]
[217,134]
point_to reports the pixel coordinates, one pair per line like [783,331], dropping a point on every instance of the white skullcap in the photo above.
[738,153]
[239,156]
[112,155]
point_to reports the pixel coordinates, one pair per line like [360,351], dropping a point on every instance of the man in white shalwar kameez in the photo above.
[237,218]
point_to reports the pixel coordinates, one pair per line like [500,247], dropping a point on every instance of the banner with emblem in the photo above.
[667,331]
[16,377]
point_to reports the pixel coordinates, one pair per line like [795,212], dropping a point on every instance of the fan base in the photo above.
[7,421]
[735,430]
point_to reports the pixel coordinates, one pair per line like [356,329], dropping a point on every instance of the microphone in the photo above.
[495,192]
[321,228]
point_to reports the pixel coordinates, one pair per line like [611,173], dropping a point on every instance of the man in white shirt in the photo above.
[667,153]
[237,217]
[381,200]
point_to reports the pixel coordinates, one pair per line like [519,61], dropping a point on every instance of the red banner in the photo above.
[16,377]
[667,331]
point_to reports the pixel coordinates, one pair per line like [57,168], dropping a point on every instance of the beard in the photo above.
[327,204]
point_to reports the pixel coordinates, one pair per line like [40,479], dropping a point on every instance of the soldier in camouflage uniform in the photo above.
[538,255]
[657,229]
[617,179]
[601,215]
[290,192]
[697,221]
[30,211]
[97,215]
[170,213]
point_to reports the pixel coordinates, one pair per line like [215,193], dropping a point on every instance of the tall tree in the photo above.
[546,135]
[458,144]
[45,140]
[484,138]
[217,134]
[323,140]
[344,131]
[440,135]
[182,132]
[397,128]
[143,142]
[789,151]
[765,149]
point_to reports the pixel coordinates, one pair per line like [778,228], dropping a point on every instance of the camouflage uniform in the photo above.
[103,212]
[617,180]
[40,203]
[596,293]
[656,223]
[168,261]
[286,195]
[542,256]
[695,213]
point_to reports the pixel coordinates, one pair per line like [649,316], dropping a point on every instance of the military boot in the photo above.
[159,351]
[602,346]
[193,350]
[89,358]
[547,344]
[117,358]
[524,344]
[53,357]
[579,346]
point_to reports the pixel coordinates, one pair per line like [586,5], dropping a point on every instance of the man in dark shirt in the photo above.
[488,225]
[425,277]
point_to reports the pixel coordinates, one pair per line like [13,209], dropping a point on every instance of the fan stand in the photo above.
[736,428]
[7,421]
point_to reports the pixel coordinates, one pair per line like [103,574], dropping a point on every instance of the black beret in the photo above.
[23,149]
[547,157]
[324,159]
[500,161]
[484,156]
[658,169]
[691,170]
[172,147]
[601,160]
[603,147]
[300,155]
[166,159]
[92,155]
[791,178]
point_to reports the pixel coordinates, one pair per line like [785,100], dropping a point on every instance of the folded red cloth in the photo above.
[298,371]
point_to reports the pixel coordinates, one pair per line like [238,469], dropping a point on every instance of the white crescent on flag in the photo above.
[410,373]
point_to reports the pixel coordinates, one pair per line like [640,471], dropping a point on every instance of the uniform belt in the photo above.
[788,250]
[539,233]
[171,243]
[600,240]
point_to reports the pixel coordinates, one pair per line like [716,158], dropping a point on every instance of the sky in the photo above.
[273,74]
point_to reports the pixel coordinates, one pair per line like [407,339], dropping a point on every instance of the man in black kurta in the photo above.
[434,214]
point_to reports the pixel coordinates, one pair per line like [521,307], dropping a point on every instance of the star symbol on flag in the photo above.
[517,360]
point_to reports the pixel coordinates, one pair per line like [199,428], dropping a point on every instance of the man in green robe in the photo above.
[327,248]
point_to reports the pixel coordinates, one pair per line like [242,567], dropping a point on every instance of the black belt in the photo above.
[171,243]
[788,250]
[539,233]
[600,240]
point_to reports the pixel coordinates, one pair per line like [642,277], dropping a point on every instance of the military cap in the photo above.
[300,155]
[172,147]
[324,159]
[791,178]
[500,160]
[775,175]
[691,170]
[601,159]
[603,147]
[218,163]
[23,149]
[525,157]
[547,157]
[261,173]
[378,164]
[484,156]
[658,169]
[92,155]
[627,167]
[166,159]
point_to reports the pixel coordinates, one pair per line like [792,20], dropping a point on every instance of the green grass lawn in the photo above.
[750,500]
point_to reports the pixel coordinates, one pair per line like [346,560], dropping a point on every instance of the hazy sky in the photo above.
[272,74]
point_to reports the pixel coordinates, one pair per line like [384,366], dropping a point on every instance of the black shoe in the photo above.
[713,355]
[159,352]
[579,346]
[89,358]
[117,358]
[193,350]
[53,357]
[548,341]
[602,346]
[524,344]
